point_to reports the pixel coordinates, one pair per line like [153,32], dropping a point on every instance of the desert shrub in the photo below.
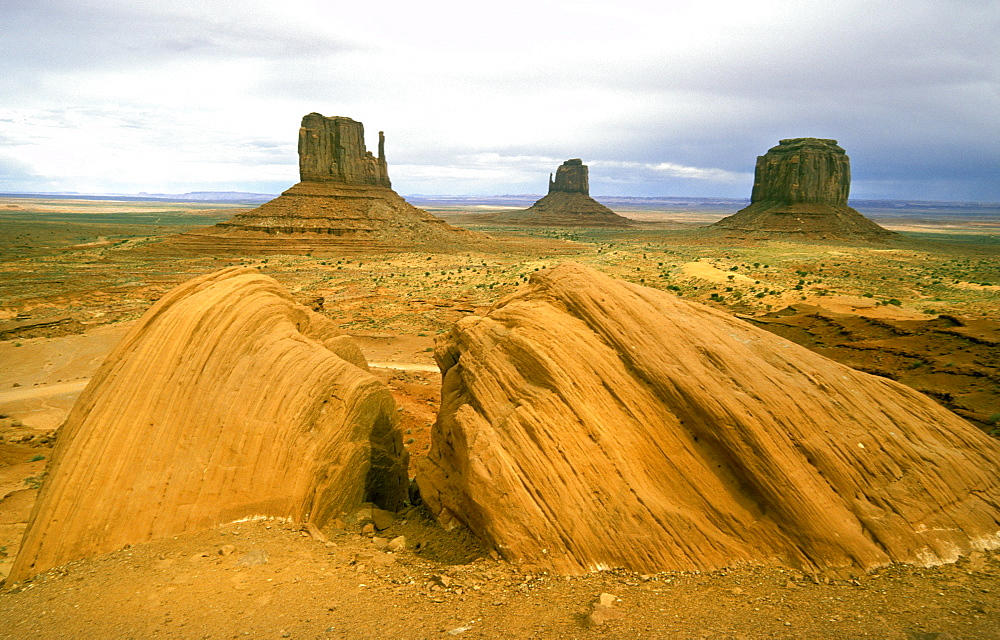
[35,482]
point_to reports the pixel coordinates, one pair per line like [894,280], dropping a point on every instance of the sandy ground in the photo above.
[706,271]
[40,378]
[270,580]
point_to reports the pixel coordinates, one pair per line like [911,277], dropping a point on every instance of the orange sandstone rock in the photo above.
[588,423]
[227,401]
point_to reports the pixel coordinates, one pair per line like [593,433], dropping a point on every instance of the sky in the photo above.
[659,97]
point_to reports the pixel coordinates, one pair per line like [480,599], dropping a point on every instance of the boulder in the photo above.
[226,401]
[801,186]
[590,423]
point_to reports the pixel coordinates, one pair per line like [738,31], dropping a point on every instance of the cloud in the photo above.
[491,173]
[680,95]
[17,175]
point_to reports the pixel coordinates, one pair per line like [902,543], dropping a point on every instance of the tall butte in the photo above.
[568,203]
[344,202]
[801,187]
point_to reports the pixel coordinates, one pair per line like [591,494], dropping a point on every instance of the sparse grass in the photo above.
[35,482]
[424,293]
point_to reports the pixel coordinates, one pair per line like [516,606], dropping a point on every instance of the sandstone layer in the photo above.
[227,401]
[589,423]
[568,203]
[333,149]
[572,176]
[801,186]
[344,203]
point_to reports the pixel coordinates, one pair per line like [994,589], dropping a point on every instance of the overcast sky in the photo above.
[667,98]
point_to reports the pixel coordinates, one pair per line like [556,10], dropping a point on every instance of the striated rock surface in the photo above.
[568,203]
[228,400]
[803,170]
[588,423]
[801,186]
[344,203]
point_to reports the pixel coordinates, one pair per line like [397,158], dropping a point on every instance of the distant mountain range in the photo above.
[228,197]
[883,208]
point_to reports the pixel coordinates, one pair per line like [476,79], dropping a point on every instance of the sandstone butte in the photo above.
[343,203]
[801,187]
[227,401]
[567,204]
[591,423]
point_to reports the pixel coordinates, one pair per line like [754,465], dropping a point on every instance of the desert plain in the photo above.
[921,307]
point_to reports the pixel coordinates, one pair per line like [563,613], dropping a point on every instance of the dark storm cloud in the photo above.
[910,89]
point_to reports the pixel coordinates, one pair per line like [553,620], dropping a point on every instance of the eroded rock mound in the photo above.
[568,203]
[343,203]
[226,401]
[588,423]
[801,186]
